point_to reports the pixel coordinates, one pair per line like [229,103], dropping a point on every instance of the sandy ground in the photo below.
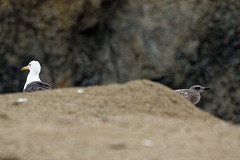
[139,120]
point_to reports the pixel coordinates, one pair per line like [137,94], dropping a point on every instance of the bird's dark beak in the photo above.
[206,88]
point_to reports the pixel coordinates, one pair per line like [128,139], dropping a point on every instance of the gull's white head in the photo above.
[34,67]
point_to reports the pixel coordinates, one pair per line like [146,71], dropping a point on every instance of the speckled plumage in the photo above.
[192,94]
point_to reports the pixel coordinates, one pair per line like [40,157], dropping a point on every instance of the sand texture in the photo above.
[139,120]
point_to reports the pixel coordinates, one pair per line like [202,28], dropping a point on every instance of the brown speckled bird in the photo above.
[192,94]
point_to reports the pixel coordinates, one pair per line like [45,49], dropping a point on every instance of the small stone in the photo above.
[147,143]
[80,91]
[22,100]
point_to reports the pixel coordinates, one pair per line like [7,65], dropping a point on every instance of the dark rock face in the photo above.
[88,42]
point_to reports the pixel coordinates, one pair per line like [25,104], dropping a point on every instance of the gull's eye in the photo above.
[197,88]
[29,64]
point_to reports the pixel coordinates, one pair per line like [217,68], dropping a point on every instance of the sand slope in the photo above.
[137,120]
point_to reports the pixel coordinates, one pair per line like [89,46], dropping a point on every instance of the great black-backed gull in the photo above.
[192,94]
[33,82]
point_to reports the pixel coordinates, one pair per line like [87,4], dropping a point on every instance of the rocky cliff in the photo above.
[88,42]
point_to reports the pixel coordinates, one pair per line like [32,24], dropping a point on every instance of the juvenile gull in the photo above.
[192,94]
[33,82]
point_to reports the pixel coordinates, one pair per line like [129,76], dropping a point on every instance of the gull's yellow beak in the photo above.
[24,68]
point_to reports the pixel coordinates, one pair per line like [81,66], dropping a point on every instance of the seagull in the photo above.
[33,82]
[192,94]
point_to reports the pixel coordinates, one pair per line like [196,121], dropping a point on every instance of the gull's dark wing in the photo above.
[37,86]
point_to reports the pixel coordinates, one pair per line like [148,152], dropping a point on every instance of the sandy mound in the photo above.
[137,120]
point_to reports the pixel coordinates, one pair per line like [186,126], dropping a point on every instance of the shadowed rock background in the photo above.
[93,42]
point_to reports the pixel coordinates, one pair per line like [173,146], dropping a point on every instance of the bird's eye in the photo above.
[29,64]
[197,88]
